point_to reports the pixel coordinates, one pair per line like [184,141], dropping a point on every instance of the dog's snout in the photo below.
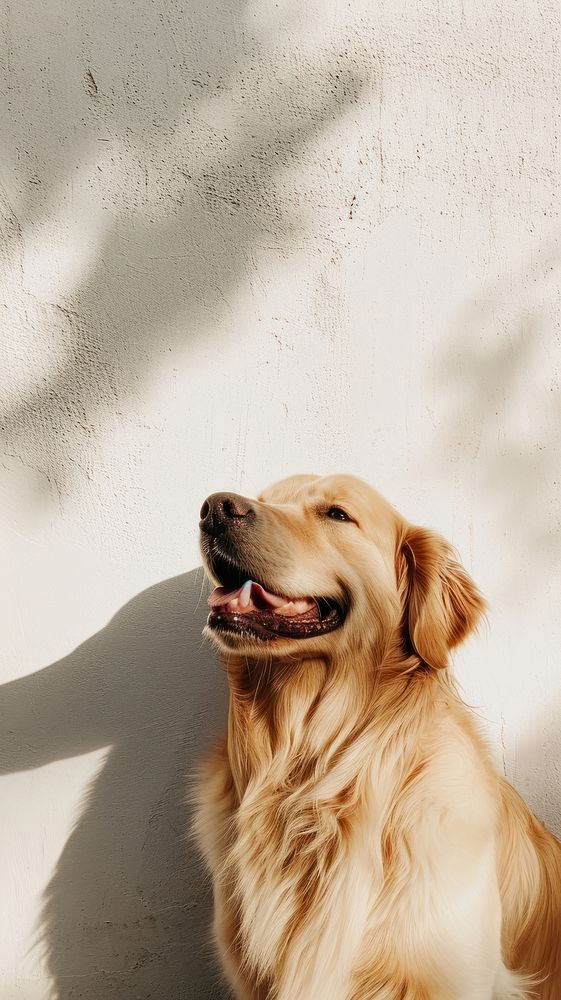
[222,511]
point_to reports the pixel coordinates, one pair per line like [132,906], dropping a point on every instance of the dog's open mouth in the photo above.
[248,607]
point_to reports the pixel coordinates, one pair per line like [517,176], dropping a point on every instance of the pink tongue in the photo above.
[252,592]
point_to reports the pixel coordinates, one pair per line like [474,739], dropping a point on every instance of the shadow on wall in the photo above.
[128,910]
[535,770]
[186,131]
[500,378]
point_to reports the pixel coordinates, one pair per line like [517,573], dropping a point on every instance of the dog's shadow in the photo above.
[127,910]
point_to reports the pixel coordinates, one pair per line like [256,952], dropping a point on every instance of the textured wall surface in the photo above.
[238,240]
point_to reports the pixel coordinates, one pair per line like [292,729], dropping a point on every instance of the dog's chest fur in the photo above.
[308,868]
[301,878]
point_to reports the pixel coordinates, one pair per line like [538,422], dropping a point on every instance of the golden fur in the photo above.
[360,841]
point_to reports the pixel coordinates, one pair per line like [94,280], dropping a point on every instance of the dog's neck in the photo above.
[302,722]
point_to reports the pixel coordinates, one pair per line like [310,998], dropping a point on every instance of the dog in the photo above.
[360,842]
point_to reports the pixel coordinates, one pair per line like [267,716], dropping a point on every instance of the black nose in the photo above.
[222,511]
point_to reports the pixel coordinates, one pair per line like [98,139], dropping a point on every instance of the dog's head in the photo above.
[324,566]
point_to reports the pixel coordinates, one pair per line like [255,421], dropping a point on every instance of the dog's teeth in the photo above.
[298,606]
[244,596]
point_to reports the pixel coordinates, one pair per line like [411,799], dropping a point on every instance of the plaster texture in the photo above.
[240,240]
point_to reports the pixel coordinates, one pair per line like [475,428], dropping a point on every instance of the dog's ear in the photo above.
[441,604]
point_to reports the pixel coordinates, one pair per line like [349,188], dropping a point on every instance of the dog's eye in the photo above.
[337,514]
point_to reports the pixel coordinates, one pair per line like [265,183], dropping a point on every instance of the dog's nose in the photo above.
[222,511]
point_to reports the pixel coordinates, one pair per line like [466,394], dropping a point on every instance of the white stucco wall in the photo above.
[240,240]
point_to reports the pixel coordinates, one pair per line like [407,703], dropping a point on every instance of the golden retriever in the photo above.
[360,841]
